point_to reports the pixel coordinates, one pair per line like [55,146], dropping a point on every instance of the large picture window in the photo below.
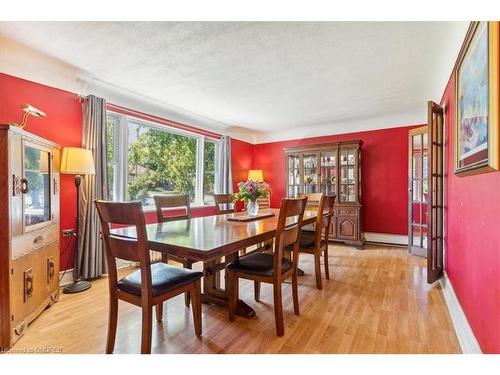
[146,159]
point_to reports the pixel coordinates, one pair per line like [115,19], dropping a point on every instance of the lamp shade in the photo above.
[255,175]
[77,160]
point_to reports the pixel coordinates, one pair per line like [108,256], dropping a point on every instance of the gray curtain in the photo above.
[90,251]
[224,177]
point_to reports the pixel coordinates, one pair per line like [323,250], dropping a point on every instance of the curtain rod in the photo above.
[161,120]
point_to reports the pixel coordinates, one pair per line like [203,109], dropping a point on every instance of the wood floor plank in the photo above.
[377,301]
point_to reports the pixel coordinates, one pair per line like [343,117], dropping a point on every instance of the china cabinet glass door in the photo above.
[328,172]
[36,186]
[310,168]
[293,175]
[348,175]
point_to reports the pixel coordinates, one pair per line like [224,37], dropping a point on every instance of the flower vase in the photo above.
[253,208]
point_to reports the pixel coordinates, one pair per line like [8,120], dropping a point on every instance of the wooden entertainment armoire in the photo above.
[29,230]
[331,168]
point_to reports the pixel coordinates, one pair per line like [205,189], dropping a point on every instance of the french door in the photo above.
[418,190]
[435,216]
[426,192]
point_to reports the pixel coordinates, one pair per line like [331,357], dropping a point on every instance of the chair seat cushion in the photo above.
[258,264]
[310,228]
[164,279]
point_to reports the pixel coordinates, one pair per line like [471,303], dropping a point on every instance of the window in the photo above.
[146,159]
[209,153]
[111,125]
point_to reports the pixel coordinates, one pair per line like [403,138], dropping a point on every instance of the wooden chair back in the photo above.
[265,201]
[224,203]
[129,249]
[288,230]
[324,217]
[313,199]
[165,203]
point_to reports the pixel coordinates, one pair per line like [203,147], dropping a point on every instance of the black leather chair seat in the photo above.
[258,264]
[306,239]
[310,228]
[164,279]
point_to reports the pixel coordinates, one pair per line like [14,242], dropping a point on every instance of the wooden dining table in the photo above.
[208,239]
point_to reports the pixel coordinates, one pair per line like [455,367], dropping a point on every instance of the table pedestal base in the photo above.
[242,308]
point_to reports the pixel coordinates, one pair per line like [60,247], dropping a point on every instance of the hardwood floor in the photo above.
[377,301]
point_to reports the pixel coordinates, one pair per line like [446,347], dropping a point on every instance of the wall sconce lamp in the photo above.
[28,110]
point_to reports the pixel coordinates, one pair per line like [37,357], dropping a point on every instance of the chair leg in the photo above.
[327,271]
[196,306]
[278,309]
[187,264]
[159,312]
[256,290]
[147,328]
[295,294]
[232,290]
[112,323]
[317,269]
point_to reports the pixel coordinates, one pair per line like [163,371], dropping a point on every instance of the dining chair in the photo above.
[272,268]
[149,286]
[264,201]
[224,204]
[316,242]
[313,200]
[177,207]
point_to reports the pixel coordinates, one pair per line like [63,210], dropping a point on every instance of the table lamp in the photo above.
[255,175]
[77,161]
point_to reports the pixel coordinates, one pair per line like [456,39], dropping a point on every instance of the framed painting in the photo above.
[476,99]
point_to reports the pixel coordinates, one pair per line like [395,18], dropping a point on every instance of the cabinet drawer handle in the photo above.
[38,239]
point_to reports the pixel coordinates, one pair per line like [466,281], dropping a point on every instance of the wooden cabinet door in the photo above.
[333,228]
[347,228]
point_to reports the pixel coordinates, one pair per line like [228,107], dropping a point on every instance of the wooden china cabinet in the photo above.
[332,168]
[29,230]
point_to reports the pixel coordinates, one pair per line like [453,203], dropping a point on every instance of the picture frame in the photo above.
[477,101]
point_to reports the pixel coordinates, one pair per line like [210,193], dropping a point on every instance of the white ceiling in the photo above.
[277,80]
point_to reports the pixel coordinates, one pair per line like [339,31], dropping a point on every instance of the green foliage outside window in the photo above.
[160,162]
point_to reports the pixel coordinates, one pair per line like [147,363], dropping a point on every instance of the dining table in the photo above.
[215,241]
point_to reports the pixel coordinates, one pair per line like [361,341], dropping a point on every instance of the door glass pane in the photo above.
[310,173]
[417,144]
[328,171]
[416,213]
[425,147]
[293,175]
[351,193]
[417,190]
[37,174]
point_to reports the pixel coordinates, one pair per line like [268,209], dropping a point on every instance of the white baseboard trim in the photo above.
[395,239]
[466,338]
[67,278]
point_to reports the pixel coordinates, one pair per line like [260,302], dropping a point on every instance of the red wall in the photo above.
[63,125]
[473,240]
[384,166]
